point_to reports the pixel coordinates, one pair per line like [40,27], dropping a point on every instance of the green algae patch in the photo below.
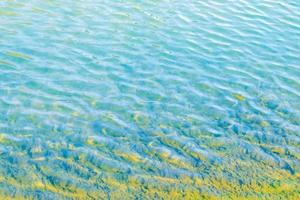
[135,187]
[160,187]
[75,114]
[131,157]
[5,140]
[18,55]
[93,103]
[264,124]
[172,143]
[8,13]
[6,64]
[141,119]
[239,97]
[173,160]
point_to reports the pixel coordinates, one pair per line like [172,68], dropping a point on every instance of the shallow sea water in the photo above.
[150,99]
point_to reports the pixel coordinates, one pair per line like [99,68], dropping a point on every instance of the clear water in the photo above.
[149,99]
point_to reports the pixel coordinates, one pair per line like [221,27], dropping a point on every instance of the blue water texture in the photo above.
[92,91]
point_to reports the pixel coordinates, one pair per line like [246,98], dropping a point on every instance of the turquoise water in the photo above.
[149,99]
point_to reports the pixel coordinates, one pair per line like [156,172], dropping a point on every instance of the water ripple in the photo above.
[156,99]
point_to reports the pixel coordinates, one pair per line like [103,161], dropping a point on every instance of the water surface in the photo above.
[152,99]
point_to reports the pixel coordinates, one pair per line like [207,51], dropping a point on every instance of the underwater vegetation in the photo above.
[156,99]
[175,161]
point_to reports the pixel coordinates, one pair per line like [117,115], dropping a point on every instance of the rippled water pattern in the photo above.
[152,99]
